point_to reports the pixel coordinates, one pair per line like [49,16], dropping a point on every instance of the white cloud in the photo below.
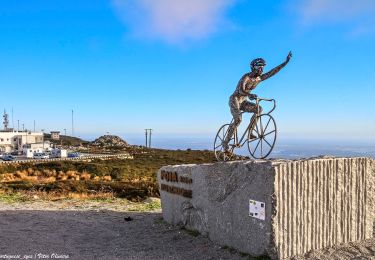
[172,21]
[358,16]
[313,11]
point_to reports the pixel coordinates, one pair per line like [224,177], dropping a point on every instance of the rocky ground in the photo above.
[118,229]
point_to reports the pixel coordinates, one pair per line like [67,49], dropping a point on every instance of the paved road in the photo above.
[22,159]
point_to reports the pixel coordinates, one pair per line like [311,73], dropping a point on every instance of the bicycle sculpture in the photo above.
[259,141]
[260,135]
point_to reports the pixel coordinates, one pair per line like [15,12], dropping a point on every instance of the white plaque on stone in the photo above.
[257,209]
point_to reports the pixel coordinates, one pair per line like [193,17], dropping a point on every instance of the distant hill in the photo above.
[108,141]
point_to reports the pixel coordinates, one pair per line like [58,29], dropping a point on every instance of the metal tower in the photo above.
[148,137]
[6,121]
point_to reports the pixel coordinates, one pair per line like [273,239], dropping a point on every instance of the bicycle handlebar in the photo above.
[269,100]
[265,99]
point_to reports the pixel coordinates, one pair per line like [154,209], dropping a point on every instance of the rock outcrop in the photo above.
[107,141]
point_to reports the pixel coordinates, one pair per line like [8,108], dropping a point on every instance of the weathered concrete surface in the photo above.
[309,204]
[322,203]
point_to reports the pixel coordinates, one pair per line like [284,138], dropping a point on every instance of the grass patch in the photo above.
[144,207]
[12,198]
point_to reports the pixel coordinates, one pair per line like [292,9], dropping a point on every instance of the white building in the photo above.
[29,149]
[59,153]
[55,135]
[16,140]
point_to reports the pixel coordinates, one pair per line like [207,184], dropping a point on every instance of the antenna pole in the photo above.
[72,122]
[146,136]
[6,121]
[12,120]
[149,142]
[43,137]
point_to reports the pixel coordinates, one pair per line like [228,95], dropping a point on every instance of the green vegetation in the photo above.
[133,179]
[12,197]
[151,206]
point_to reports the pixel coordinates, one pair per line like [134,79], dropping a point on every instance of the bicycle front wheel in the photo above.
[264,135]
[218,144]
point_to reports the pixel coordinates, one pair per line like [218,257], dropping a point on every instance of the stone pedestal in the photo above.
[277,208]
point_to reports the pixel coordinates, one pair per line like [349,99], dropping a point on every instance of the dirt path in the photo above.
[74,230]
[68,230]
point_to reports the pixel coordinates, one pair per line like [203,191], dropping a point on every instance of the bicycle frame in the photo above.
[251,125]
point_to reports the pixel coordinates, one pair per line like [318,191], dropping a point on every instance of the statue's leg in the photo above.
[237,118]
[251,108]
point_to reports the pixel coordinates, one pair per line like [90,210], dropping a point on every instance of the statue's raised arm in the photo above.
[276,69]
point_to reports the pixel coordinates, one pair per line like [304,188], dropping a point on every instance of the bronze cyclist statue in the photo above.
[238,102]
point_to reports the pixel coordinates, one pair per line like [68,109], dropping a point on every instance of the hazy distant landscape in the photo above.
[285,148]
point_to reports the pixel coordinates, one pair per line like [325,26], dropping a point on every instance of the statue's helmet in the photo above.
[256,63]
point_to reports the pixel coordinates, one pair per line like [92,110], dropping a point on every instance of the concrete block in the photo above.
[279,208]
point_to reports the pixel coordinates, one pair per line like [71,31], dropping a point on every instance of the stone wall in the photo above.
[321,203]
[279,208]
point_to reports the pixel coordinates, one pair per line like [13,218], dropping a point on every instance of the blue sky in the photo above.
[127,65]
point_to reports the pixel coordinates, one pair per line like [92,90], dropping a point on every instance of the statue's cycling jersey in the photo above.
[244,87]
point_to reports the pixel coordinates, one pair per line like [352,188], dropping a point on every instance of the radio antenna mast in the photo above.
[146,131]
[148,140]
[72,122]
[6,120]
[12,120]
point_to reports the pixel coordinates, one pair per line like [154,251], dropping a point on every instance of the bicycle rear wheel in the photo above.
[265,133]
[218,144]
